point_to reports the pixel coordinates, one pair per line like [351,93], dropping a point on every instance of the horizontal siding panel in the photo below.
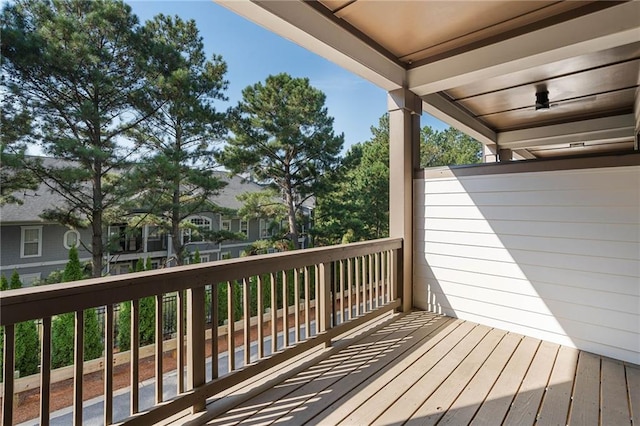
[616,284]
[624,303]
[589,179]
[554,255]
[614,249]
[593,231]
[536,322]
[526,258]
[540,305]
[583,197]
[580,214]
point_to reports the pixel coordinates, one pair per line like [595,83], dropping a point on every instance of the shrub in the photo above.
[146,317]
[63,326]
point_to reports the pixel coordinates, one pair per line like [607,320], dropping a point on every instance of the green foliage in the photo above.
[196,256]
[283,135]
[63,326]
[79,65]
[146,316]
[357,208]
[447,148]
[73,269]
[27,341]
[15,282]
[180,136]
[16,125]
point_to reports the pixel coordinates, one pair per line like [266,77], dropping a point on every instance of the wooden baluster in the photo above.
[370,281]
[133,362]
[285,309]
[246,306]
[45,372]
[341,290]
[349,288]
[260,324]
[180,340]
[358,286]
[316,311]
[388,275]
[307,302]
[159,348]
[296,303]
[231,329]
[108,364]
[274,314]
[215,318]
[324,282]
[7,374]
[78,368]
[376,258]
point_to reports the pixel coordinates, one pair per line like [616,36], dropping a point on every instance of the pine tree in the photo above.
[283,135]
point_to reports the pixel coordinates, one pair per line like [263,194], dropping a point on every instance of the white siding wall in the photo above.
[553,254]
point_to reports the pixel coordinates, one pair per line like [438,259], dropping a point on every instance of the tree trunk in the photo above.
[291,209]
[175,226]
[96,222]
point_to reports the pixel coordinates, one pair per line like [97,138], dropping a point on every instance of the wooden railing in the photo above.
[286,303]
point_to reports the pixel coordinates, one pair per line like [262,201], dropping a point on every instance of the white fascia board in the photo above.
[608,28]
[444,110]
[305,26]
[620,127]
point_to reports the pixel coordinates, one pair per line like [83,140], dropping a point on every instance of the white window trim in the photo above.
[186,232]
[246,231]
[64,238]
[23,229]
[223,222]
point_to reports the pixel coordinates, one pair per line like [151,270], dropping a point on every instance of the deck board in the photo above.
[471,398]
[425,368]
[497,403]
[439,402]
[586,395]
[633,385]
[557,396]
[524,408]
[422,379]
[614,399]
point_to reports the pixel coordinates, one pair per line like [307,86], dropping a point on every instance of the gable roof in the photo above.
[35,202]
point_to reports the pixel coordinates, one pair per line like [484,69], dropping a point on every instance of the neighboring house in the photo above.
[35,248]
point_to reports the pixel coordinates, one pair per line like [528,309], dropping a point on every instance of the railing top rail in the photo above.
[39,302]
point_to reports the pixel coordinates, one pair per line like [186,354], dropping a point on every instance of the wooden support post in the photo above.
[196,375]
[405,109]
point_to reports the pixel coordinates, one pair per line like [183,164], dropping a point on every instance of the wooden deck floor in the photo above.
[427,369]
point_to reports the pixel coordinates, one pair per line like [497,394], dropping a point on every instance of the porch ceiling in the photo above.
[477,65]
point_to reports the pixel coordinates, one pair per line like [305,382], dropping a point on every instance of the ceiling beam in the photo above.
[619,127]
[607,28]
[319,33]
[444,110]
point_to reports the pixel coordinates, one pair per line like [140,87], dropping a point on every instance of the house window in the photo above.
[153,233]
[244,227]
[27,280]
[264,231]
[225,225]
[31,241]
[191,235]
[71,239]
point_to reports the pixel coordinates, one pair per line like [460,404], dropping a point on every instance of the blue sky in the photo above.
[253,53]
